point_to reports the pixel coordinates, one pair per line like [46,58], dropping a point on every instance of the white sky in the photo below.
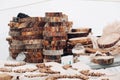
[94,14]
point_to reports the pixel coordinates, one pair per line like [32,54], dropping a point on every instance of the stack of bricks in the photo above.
[26,37]
[39,37]
[55,35]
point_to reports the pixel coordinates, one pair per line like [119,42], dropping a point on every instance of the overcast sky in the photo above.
[94,14]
